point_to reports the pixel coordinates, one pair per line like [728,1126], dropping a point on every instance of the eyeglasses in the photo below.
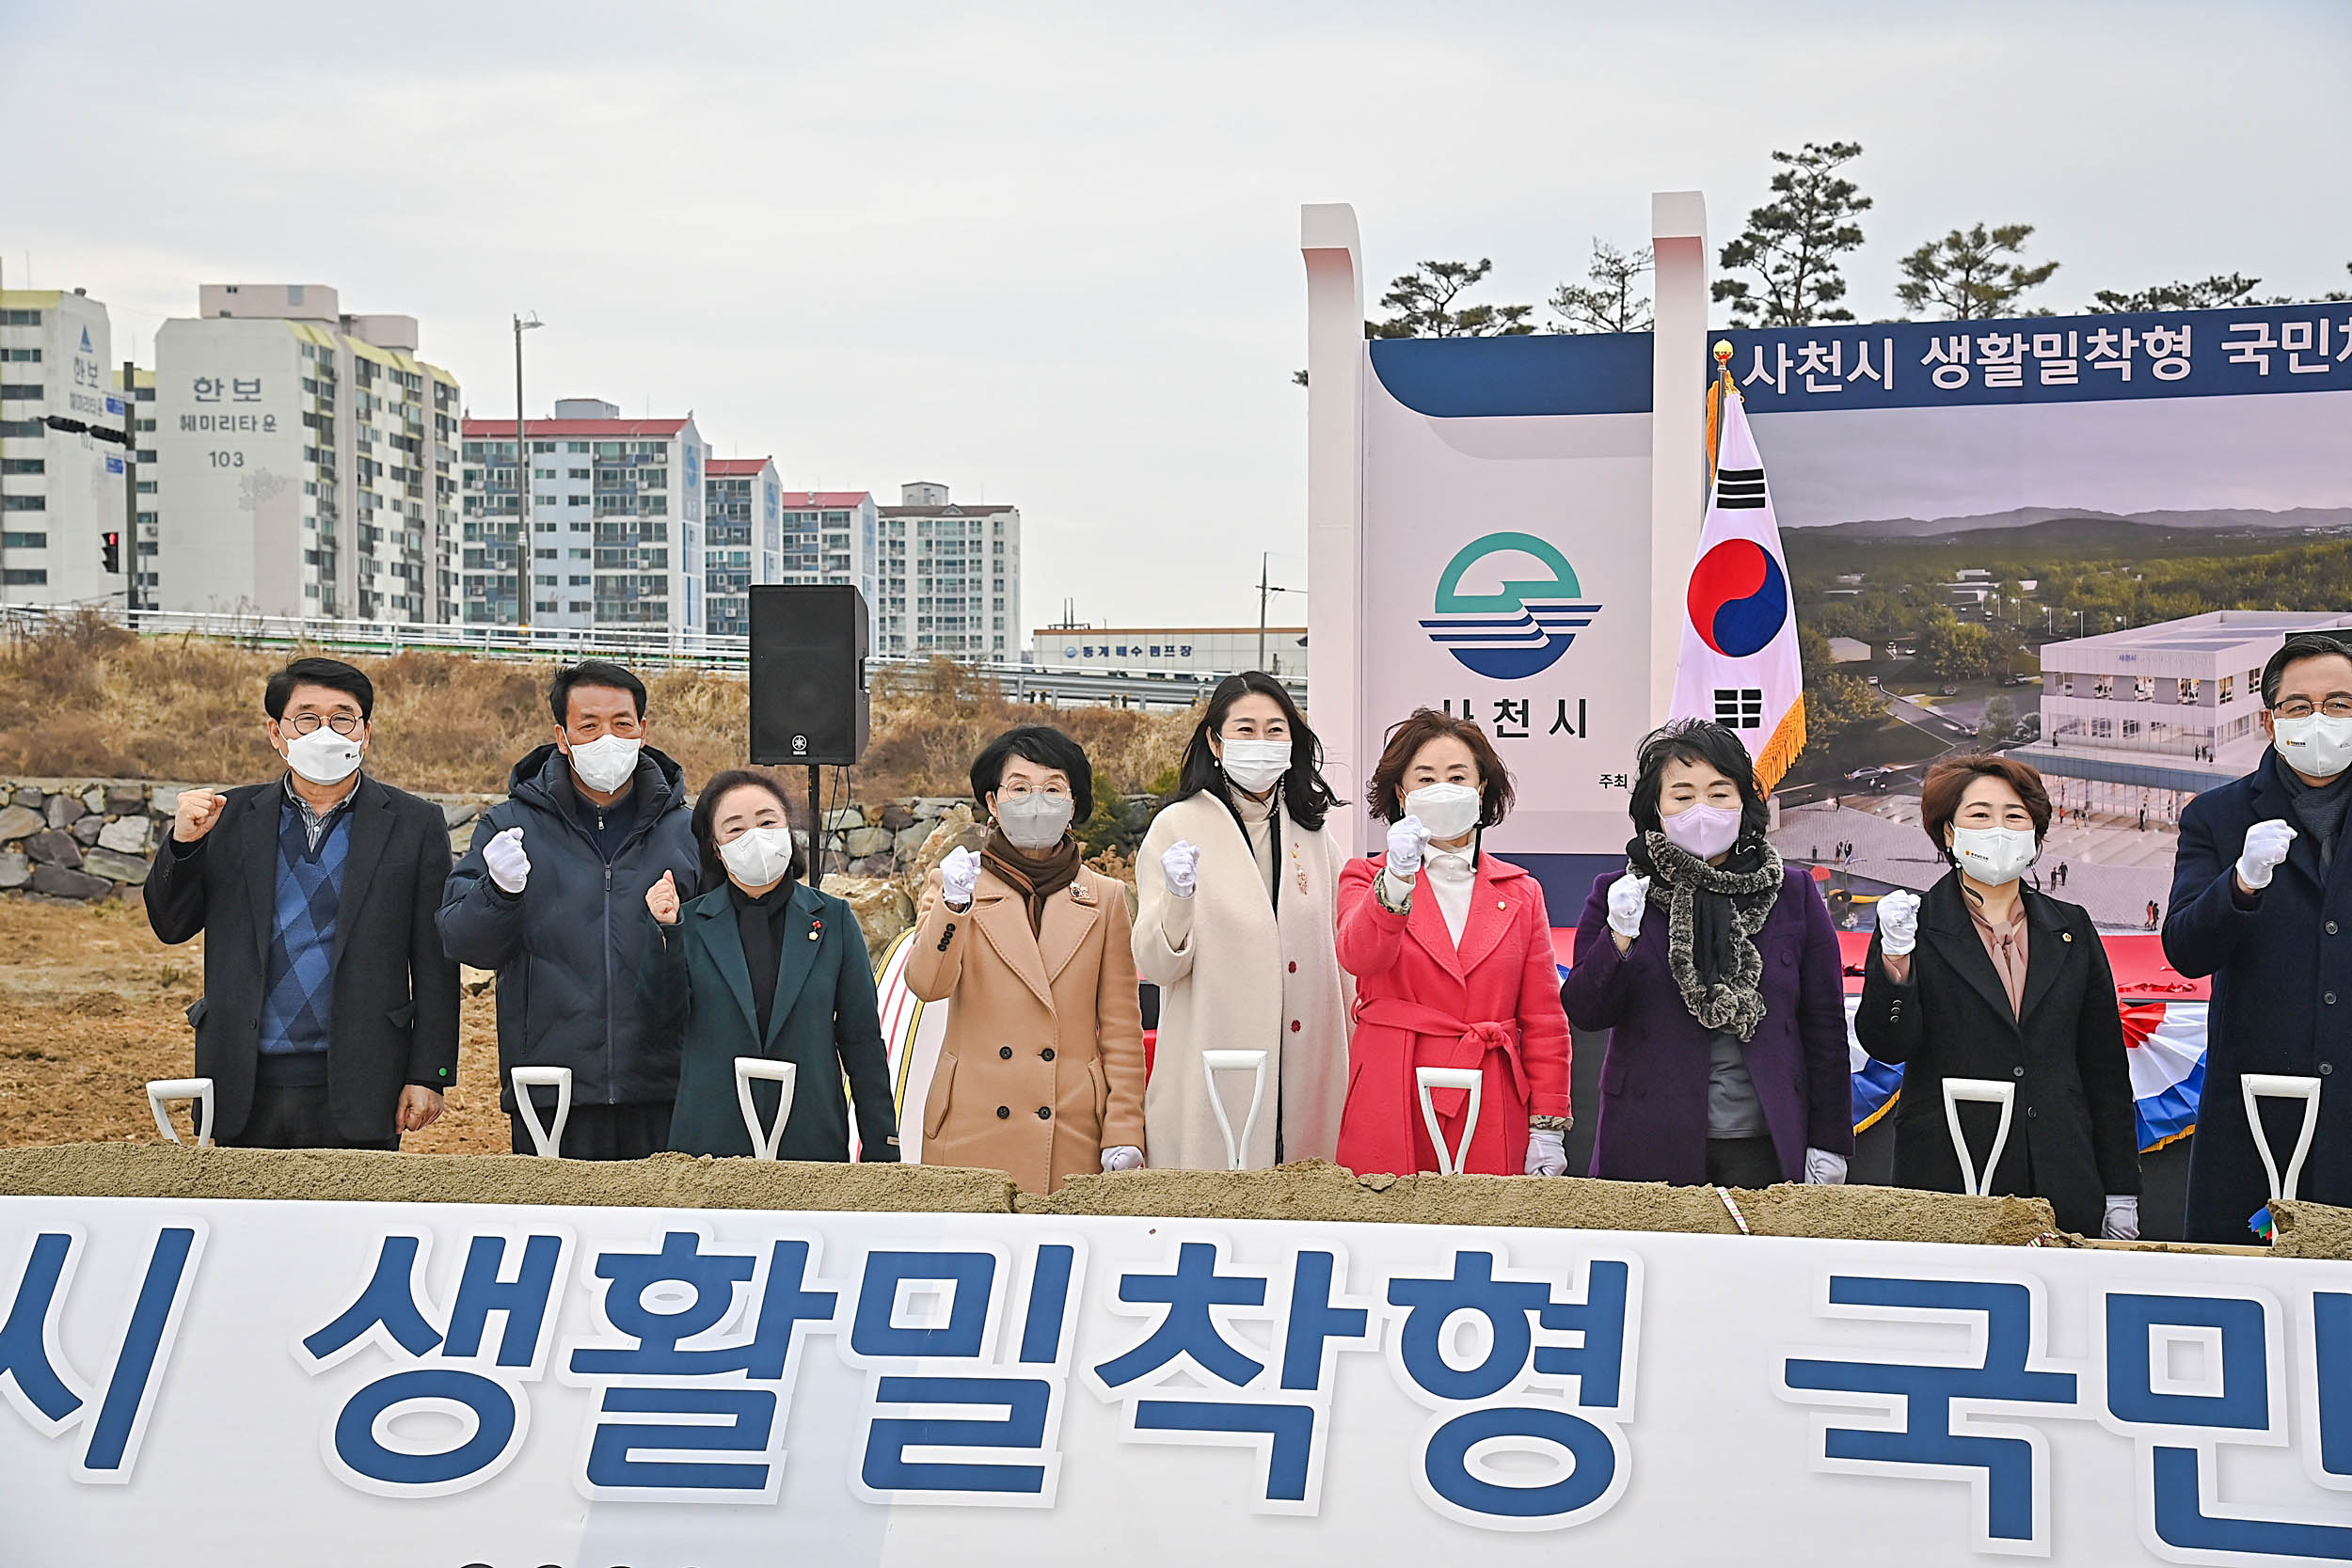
[2300,708]
[344,724]
[1023,792]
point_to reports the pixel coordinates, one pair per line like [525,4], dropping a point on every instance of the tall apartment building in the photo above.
[949,578]
[58,493]
[614,510]
[833,536]
[304,456]
[742,538]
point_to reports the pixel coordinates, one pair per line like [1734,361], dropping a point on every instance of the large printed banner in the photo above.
[235,1383]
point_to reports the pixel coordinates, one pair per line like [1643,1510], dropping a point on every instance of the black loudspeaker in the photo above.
[808,676]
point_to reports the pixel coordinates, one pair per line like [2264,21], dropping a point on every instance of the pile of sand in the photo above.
[1315,1191]
[2306,1229]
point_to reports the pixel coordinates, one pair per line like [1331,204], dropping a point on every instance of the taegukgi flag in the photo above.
[1738,664]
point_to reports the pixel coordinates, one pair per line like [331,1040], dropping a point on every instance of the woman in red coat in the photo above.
[1453,958]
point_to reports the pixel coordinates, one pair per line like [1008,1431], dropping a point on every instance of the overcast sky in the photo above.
[1048,254]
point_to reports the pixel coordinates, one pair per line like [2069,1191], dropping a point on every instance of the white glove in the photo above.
[1181,866]
[1125,1157]
[504,859]
[2267,845]
[1546,1153]
[1824,1169]
[2121,1222]
[1898,924]
[1407,840]
[959,873]
[1629,895]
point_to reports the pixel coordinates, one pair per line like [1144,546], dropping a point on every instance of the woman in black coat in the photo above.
[764,965]
[1985,979]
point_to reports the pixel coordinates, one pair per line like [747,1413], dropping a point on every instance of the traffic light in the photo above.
[112,552]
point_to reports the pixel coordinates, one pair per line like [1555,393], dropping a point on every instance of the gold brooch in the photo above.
[1081,894]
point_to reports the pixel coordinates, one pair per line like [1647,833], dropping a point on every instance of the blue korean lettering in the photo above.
[988,1432]
[2014,1469]
[1480,1402]
[43,1386]
[452,1379]
[1278,1406]
[2188,1375]
[726,1398]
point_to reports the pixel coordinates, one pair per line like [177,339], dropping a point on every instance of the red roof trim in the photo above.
[802,499]
[548,430]
[735,468]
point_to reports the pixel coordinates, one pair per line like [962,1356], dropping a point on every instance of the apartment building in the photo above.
[947,577]
[60,494]
[742,538]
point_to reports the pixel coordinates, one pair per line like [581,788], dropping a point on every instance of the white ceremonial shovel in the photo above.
[164,1090]
[1990,1091]
[549,1141]
[784,1074]
[1449,1160]
[2281,1085]
[1214,1062]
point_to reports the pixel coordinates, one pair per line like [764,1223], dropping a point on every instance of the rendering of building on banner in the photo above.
[305,461]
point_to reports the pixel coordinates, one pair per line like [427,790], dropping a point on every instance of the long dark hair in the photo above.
[1305,795]
[706,809]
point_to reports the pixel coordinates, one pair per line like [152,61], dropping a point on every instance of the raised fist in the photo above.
[2267,845]
[1407,841]
[1898,924]
[959,874]
[1181,866]
[194,816]
[1629,895]
[504,859]
[662,899]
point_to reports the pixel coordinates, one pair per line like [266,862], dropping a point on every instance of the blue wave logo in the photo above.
[1520,632]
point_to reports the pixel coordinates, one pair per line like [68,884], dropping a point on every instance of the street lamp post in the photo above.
[522,482]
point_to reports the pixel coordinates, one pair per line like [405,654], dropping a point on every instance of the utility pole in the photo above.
[1266,588]
[130,489]
[524,553]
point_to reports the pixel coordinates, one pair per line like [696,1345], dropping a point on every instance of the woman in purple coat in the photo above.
[1716,971]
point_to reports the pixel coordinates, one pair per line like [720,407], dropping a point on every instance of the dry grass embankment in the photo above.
[91,700]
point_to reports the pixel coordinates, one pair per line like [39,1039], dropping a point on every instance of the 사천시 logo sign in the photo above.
[1523,628]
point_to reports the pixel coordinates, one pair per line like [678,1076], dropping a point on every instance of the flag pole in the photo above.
[1717,390]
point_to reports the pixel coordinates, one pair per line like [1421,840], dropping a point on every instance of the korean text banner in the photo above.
[238,1382]
[1507,567]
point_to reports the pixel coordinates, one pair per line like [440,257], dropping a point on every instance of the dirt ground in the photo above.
[93,1007]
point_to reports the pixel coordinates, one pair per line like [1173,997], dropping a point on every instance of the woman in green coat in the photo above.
[763,965]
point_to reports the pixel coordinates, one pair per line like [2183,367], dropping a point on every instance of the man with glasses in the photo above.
[552,896]
[329,1014]
[2262,901]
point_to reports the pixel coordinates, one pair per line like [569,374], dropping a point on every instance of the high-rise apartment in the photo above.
[305,461]
[742,537]
[833,536]
[59,494]
[614,510]
[949,578]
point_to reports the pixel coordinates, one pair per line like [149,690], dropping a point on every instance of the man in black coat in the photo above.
[329,1014]
[552,896]
[2262,901]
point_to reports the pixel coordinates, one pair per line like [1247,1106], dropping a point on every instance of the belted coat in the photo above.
[1491,1004]
[1042,1066]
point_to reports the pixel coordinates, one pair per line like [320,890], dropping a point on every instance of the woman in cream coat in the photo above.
[1236,884]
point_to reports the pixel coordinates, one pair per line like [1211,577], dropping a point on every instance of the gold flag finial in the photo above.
[1723,351]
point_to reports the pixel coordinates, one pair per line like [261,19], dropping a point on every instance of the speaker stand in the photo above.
[816,832]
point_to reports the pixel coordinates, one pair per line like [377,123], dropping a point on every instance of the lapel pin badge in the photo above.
[2066,936]
[1079,893]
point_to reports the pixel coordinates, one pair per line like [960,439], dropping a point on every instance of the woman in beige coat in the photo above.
[1236,884]
[1041,1075]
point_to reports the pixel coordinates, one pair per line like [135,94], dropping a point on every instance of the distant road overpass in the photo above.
[651,649]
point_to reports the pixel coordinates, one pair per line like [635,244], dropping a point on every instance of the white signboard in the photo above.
[236,1383]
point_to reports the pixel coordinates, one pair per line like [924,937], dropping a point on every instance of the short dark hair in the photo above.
[592,672]
[1306,796]
[1048,748]
[1405,740]
[703,824]
[1697,741]
[332,673]
[2295,650]
[1940,793]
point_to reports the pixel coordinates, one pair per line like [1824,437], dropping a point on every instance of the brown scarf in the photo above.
[1038,876]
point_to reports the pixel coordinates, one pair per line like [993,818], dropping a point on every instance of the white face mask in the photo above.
[1447,810]
[759,856]
[1254,766]
[1994,855]
[2318,745]
[605,762]
[1033,821]
[1702,829]
[322,756]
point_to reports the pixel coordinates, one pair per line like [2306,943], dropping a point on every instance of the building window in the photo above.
[19,318]
[24,466]
[23,503]
[25,541]
[20,357]
[25,576]
[2229,682]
